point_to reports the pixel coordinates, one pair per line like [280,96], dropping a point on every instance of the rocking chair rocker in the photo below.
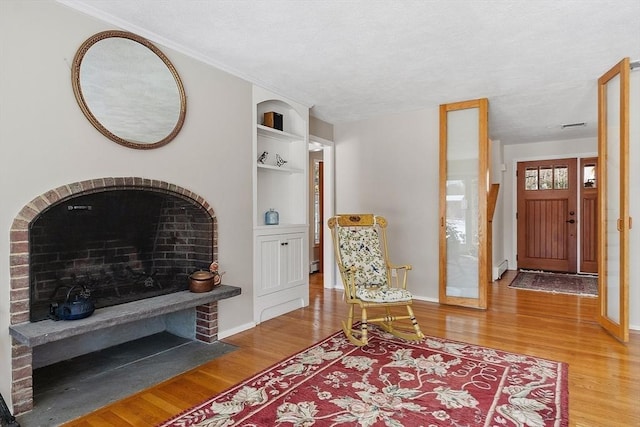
[361,254]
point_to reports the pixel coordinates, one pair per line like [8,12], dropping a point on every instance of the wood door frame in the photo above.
[321,209]
[548,245]
[483,194]
[620,328]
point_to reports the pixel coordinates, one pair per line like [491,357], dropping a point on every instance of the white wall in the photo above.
[389,166]
[497,177]
[320,128]
[45,142]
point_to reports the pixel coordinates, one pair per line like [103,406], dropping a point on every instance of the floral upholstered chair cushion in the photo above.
[383,294]
[360,248]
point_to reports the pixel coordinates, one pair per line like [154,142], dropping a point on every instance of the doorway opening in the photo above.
[317,262]
[321,206]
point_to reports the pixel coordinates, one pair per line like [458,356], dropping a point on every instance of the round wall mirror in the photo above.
[128,89]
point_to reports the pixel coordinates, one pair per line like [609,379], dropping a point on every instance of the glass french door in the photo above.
[464,185]
[613,200]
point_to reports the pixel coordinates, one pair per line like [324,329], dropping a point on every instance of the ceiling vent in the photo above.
[573,125]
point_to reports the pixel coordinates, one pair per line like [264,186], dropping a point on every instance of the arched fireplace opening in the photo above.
[117,246]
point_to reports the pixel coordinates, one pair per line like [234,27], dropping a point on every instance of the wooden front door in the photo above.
[547,215]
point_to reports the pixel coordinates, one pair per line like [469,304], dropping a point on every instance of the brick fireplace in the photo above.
[182,240]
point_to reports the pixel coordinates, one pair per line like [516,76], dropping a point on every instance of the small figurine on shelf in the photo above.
[263,157]
[279,160]
[217,276]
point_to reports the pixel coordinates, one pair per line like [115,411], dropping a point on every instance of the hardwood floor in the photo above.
[604,375]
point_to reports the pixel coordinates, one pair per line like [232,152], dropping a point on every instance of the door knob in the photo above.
[571,221]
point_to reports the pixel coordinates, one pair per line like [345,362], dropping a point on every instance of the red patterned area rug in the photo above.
[558,283]
[391,382]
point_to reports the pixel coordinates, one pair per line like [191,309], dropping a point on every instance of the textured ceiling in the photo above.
[536,61]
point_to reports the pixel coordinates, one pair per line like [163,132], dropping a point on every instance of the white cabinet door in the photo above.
[280,258]
[269,261]
[293,260]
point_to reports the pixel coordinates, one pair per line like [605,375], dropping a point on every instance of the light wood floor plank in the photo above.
[604,375]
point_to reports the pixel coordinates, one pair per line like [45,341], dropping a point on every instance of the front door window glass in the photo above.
[561,177]
[589,176]
[531,179]
[546,178]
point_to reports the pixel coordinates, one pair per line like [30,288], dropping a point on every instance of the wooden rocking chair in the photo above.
[361,253]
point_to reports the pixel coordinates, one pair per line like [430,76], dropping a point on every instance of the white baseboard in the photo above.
[427,299]
[500,269]
[228,332]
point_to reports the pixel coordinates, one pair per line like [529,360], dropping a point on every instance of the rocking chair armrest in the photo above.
[400,266]
[399,280]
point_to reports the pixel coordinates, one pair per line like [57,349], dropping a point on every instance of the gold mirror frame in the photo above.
[112,134]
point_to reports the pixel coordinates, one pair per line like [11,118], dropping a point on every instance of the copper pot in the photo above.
[201,281]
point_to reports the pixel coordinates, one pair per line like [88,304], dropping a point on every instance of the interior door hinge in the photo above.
[516,215]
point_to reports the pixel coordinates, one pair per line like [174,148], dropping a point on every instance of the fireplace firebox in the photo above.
[117,246]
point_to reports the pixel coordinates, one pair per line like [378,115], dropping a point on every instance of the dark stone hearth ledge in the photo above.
[45,331]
